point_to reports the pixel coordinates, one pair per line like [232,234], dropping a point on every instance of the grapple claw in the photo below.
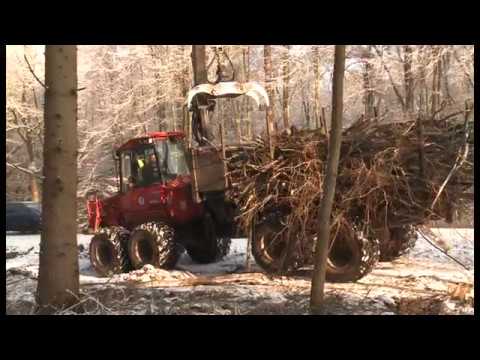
[230,89]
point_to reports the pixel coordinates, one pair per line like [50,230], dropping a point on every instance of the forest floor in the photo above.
[424,282]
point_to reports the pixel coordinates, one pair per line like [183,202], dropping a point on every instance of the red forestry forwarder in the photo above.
[171,193]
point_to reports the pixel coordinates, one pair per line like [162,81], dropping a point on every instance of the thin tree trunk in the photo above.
[199,64]
[316,83]
[321,251]
[33,179]
[446,67]
[286,78]
[423,90]
[246,70]
[394,85]
[369,96]
[436,80]
[27,137]
[267,53]
[408,79]
[306,109]
[58,279]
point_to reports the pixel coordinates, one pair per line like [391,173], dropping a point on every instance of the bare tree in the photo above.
[323,240]
[58,279]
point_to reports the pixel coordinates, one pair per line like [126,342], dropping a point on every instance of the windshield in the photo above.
[171,156]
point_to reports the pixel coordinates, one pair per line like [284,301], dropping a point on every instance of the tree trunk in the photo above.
[246,70]
[446,67]
[408,79]
[321,251]
[58,279]
[286,78]
[267,54]
[199,64]
[423,90]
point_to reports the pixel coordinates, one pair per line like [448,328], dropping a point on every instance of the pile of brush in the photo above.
[391,176]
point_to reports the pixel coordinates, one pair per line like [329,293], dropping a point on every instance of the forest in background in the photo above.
[126,90]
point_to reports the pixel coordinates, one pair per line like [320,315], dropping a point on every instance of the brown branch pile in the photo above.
[381,183]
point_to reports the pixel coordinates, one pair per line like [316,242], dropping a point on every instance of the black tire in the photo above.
[402,240]
[351,257]
[209,247]
[153,243]
[108,251]
[268,245]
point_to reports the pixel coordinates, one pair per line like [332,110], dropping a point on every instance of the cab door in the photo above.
[129,198]
[142,202]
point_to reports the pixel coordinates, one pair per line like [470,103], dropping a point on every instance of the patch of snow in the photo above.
[460,243]
[386,299]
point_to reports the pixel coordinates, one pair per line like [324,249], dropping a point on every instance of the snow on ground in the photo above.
[29,262]
[414,284]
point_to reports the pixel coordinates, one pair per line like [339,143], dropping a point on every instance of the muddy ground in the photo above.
[424,282]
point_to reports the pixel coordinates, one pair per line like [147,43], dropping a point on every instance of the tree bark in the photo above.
[321,251]
[58,279]
[267,54]
[286,79]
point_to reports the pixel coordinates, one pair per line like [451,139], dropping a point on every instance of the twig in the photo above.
[428,240]
[394,86]
[458,162]
[25,170]
[33,73]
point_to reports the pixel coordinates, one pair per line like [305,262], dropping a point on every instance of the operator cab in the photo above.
[156,158]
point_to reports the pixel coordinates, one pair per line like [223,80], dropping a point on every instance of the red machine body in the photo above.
[168,200]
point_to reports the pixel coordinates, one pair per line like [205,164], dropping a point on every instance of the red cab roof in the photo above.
[132,143]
